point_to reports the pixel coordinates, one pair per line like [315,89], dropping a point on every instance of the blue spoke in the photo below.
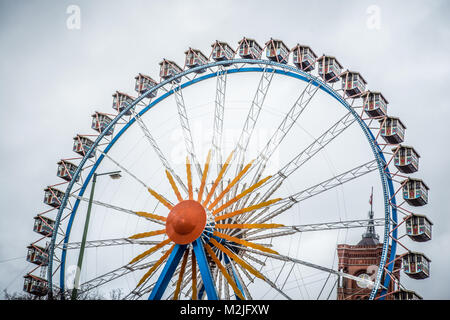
[167,273]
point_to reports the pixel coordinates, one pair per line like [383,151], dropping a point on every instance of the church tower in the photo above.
[362,260]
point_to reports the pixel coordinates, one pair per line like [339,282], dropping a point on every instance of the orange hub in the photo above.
[186,222]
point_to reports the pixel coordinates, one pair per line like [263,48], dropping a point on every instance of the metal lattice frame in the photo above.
[270,68]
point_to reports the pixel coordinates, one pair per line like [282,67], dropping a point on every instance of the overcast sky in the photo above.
[52,77]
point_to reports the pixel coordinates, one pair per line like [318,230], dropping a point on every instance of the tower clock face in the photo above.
[362,283]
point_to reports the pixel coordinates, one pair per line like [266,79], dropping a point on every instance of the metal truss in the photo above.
[268,70]
[290,118]
[317,227]
[308,264]
[110,206]
[252,117]
[323,186]
[113,275]
[157,150]
[184,122]
[106,243]
[219,110]
[305,155]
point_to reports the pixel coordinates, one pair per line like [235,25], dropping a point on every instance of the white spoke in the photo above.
[105,243]
[317,227]
[308,264]
[184,122]
[110,206]
[251,119]
[283,129]
[317,145]
[157,150]
[323,186]
[112,275]
[219,116]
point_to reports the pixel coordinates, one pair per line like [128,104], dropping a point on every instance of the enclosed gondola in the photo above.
[416,265]
[53,197]
[418,227]
[100,121]
[143,84]
[375,104]
[35,285]
[121,101]
[37,255]
[277,50]
[82,144]
[195,58]
[222,51]
[329,68]
[406,159]
[415,192]
[168,69]
[43,225]
[353,83]
[249,49]
[392,130]
[304,57]
[66,170]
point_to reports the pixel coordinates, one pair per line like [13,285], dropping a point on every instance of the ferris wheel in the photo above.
[196,218]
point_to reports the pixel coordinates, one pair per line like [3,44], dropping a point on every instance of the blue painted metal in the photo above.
[203,266]
[285,70]
[238,283]
[167,273]
[201,292]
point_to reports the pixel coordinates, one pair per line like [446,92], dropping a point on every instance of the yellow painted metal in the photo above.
[174,186]
[224,272]
[151,215]
[189,179]
[236,258]
[243,194]
[248,226]
[150,251]
[147,234]
[194,276]
[248,209]
[244,243]
[160,198]
[180,276]
[205,175]
[218,179]
[156,265]
[230,185]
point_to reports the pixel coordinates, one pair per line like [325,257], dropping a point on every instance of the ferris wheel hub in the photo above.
[186,222]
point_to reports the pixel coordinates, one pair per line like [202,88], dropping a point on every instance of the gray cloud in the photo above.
[52,78]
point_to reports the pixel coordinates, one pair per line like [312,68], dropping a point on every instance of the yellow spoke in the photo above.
[230,185]
[156,265]
[205,174]
[194,277]
[218,179]
[224,272]
[151,215]
[150,251]
[248,209]
[189,178]
[180,277]
[160,198]
[237,259]
[240,196]
[147,234]
[248,226]
[243,242]
[174,186]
